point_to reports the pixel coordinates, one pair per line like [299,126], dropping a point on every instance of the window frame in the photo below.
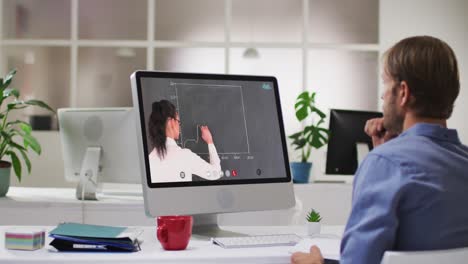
[74,43]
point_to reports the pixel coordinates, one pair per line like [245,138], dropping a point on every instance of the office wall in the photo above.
[445,19]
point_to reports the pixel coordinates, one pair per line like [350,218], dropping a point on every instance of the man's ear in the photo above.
[404,94]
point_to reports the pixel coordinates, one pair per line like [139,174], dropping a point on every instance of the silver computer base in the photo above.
[205,226]
[88,184]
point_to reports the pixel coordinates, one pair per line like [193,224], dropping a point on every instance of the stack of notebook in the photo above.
[81,237]
[23,238]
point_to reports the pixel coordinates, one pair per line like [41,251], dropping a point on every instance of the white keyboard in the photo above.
[258,241]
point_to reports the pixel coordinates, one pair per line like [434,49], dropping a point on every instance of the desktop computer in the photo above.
[98,145]
[348,143]
[209,144]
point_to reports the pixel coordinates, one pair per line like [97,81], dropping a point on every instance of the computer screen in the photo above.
[99,146]
[346,134]
[218,139]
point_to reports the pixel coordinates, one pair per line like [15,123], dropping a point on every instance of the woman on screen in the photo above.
[168,161]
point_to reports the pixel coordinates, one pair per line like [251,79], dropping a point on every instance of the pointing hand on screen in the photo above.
[206,134]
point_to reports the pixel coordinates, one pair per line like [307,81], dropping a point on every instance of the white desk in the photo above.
[197,252]
[49,206]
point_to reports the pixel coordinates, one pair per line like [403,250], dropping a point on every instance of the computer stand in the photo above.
[87,186]
[205,226]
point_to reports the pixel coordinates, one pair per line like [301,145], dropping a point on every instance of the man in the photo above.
[410,191]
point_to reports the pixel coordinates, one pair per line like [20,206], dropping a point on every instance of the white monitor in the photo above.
[98,145]
[245,169]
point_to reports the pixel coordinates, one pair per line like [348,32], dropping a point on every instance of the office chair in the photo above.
[453,256]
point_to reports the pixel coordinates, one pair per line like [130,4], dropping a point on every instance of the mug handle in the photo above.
[162,233]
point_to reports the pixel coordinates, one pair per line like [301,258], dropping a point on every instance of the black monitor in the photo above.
[346,132]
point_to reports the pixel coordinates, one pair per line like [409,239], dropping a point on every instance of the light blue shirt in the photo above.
[410,193]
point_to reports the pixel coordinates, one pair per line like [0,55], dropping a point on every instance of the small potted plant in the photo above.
[313,222]
[15,135]
[312,136]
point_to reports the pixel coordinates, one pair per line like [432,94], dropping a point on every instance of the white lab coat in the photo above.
[179,164]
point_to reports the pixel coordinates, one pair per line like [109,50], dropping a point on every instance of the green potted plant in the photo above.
[313,222]
[311,136]
[15,135]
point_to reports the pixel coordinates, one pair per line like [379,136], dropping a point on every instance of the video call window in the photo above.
[212,131]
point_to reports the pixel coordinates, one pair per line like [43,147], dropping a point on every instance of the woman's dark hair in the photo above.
[160,112]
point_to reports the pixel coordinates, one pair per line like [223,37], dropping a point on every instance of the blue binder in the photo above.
[82,237]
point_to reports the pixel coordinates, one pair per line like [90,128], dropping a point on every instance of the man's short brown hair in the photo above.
[429,67]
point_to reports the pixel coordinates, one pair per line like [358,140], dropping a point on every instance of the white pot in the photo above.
[313,228]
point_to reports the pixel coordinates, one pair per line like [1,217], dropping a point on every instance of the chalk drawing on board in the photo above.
[192,140]
[221,108]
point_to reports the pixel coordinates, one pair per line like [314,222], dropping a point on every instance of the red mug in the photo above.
[174,231]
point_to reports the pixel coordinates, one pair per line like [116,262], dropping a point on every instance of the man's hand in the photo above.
[206,134]
[375,129]
[314,257]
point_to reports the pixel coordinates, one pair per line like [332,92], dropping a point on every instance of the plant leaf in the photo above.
[312,136]
[313,216]
[16,145]
[22,151]
[316,136]
[16,105]
[30,141]
[300,143]
[305,103]
[25,127]
[40,104]
[26,159]
[302,105]
[16,164]
[4,144]
[312,96]
[321,121]
[11,91]
[8,79]
[17,122]
[321,138]
[7,136]
[316,110]
[301,113]
[296,134]
[9,76]
[304,96]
